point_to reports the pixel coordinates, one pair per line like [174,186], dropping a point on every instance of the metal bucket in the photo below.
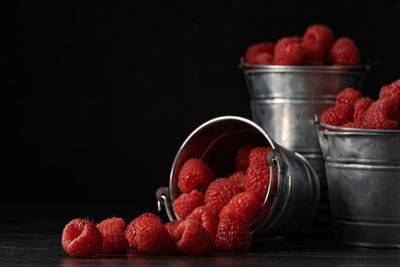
[216,143]
[284,101]
[363,174]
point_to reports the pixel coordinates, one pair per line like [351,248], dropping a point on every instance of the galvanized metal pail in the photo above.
[217,141]
[363,174]
[284,101]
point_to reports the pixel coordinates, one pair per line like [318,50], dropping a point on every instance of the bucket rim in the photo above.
[354,131]
[247,67]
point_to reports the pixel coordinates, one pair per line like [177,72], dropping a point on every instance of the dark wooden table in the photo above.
[20,246]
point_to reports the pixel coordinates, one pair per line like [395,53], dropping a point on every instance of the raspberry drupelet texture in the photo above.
[337,116]
[347,98]
[193,173]
[112,231]
[242,157]
[244,206]
[81,238]
[288,51]
[360,107]
[259,156]
[254,50]
[344,52]
[187,202]
[376,117]
[220,192]
[171,226]
[192,239]
[317,41]
[257,180]
[232,235]
[130,230]
[392,92]
[206,217]
[238,178]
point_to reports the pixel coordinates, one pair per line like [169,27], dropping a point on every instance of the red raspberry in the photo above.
[112,231]
[257,180]
[392,92]
[192,239]
[348,98]
[288,51]
[238,178]
[187,202]
[312,62]
[259,156]
[317,41]
[360,107]
[150,236]
[81,238]
[264,59]
[376,117]
[244,206]
[242,157]
[193,173]
[337,116]
[256,49]
[206,217]
[219,193]
[130,230]
[344,52]
[232,235]
[353,125]
[171,226]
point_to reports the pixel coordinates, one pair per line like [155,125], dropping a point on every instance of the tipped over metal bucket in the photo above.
[216,143]
[363,174]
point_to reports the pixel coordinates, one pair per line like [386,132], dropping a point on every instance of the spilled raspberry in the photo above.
[112,231]
[232,235]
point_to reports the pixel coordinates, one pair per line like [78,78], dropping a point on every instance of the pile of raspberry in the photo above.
[354,111]
[317,47]
[213,213]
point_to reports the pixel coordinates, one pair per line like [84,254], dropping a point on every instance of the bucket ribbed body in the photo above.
[363,174]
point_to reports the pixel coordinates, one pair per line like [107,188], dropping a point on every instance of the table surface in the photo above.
[19,247]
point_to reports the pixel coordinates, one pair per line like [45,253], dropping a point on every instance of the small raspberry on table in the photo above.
[232,235]
[112,231]
[81,238]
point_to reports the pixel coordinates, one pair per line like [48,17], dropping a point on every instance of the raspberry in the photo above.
[317,41]
[344,52]
[171,226]
[150,236]
[192,239]
[193,173]
[348,98]
[237,178]
[259,156]
[288,51]
[232,235]
[130,230]
[112,231]
[244,206]
[206,217]
[219,193]
[360,107]
[376,117]
[353,125]
[187,202]
[263,59]
[242,157]
[337,116]
[392,92]
[312,62]
[257,180]
[81,238]
[256,49]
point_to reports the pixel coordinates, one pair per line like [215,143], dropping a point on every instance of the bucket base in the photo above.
[375,235]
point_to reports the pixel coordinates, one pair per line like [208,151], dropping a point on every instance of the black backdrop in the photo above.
[106,93]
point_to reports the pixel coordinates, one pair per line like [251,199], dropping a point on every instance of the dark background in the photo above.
[106,93]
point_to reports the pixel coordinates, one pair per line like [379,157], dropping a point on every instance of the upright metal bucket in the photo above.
[363,173]
[284,101]
[216,143]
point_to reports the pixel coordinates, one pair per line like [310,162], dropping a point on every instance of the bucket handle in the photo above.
[162,196]
[323,139]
